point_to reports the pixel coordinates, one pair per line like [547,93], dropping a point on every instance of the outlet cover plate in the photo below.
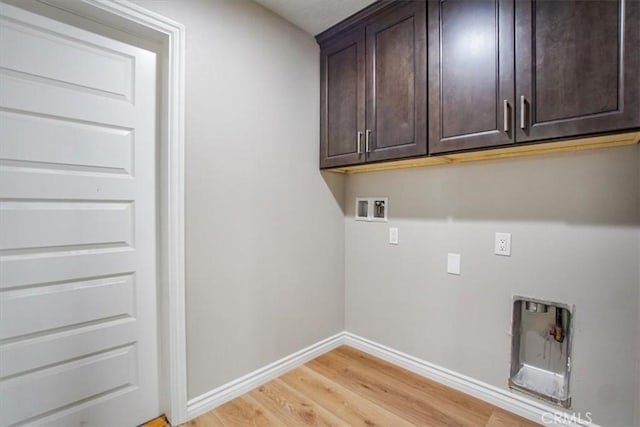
[393,235]
[503,244]
[453,264]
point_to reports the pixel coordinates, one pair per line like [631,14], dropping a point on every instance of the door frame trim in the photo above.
[170,37]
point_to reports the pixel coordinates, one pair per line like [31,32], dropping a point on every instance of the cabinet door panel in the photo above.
[342,100]
[470,74]
[396,82]
[578,67]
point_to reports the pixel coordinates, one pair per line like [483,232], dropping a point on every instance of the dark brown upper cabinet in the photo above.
[564,69]
[471,74]
[373,87]
[342,100]
[478,73]
[396,75]
[577,69]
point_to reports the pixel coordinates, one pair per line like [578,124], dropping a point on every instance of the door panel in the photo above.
[51,348]
[17,270]
[77,146]
[396,82]
[78,332]
[342,92]
[469,31]
[343,96]
[108,372]
[46,57]
[570,80]
[32,311]
[394,101]
[28,225]
[571,88]
[470,74]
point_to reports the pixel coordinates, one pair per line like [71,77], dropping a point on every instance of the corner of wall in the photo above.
[637,409]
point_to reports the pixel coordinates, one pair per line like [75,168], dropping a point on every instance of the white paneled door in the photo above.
[78,327]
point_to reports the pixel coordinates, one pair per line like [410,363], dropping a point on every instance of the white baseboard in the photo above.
[518,404]
[512,402]
[218,396]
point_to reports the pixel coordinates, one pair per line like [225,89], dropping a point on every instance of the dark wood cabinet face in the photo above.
[342,101]
[394,91]
[471,88]
[577,67]
[479,73]
[396,83]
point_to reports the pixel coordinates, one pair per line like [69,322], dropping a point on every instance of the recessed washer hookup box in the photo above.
[541,349]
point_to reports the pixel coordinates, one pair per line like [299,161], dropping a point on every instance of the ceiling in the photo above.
[315,16]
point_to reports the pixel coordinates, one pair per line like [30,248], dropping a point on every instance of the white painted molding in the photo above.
[150,26]
[172,271]
[172,265]
[238,387]
[509,401]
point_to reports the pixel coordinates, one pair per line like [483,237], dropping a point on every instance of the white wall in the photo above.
[265,234]
[574,220]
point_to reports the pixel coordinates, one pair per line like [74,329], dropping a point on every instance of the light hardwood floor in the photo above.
[346,387]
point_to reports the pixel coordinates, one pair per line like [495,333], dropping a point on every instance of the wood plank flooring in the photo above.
[346,387]
[161,421]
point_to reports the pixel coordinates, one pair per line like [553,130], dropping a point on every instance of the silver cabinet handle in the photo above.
[523,106]
[366,141]
[359,142]
[505,107]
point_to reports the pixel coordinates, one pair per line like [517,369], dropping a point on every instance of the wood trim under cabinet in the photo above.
[605,141]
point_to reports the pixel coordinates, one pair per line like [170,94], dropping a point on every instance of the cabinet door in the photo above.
[342,100]
[471,87]
[396,82]
[578,67]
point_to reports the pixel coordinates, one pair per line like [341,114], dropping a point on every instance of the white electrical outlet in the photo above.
[503,244]
[393,236]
